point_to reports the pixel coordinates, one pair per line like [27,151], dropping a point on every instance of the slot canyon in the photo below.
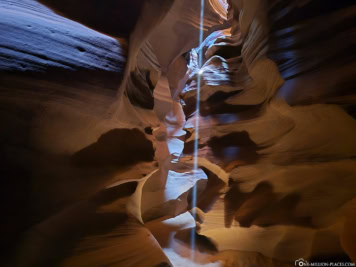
[153,133]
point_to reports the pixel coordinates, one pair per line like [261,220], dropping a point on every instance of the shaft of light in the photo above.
[197,112]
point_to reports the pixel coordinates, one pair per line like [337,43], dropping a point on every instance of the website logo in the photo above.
[301,262]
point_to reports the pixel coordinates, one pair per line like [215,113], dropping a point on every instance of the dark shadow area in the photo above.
[304,12]
[140,90]
[202,243]
[38,185]
[112,17]
[163,264]
[118,147]
[234,146]
[78,78]
[220,107]
[351,110]
[189,148]
[309,53]
[228,51]
[47,243]
[262,207]
[113,193]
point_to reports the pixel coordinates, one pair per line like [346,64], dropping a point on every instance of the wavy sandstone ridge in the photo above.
[98,107]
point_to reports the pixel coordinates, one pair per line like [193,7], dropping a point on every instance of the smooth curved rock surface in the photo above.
[295,144]
[99,133]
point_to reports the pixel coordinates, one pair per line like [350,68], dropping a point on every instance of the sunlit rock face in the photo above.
[278,118]
[58,81]
[100,123]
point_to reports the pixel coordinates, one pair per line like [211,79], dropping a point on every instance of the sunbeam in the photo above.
[197,111]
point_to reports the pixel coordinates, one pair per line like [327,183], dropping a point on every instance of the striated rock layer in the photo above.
[98,132]
[282,127]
